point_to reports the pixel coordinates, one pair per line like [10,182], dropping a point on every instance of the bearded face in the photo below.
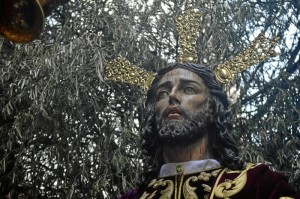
[181,108]
[185,131]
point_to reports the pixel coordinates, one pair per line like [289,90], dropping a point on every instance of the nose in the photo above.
[174,98]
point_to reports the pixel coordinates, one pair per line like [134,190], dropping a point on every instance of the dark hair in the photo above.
[220,141]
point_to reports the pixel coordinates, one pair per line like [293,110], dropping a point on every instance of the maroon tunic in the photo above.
[255,181]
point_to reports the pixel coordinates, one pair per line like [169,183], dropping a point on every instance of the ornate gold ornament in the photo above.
[146,195]
[216,172]
[188,190]
[187,25]
[166,193]
[231,187]
[121,70]
[204,176]
[259,50]
[206,188]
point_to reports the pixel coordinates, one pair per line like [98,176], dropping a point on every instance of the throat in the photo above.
[195,151]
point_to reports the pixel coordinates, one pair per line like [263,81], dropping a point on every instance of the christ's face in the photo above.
[180,88]
[181,108]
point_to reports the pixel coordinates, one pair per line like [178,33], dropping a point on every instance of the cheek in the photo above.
[160,107]
[196,103]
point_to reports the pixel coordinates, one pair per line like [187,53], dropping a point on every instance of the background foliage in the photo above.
[65,133]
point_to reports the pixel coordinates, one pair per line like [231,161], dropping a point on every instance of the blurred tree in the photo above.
[66,133]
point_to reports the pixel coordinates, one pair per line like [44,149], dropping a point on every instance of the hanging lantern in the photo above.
[22,21]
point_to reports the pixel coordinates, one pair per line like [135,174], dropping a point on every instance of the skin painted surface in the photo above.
[178,91]
[180,88]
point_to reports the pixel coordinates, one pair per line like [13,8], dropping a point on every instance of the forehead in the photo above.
[181,74]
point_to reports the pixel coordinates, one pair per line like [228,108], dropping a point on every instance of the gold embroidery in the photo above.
[286,197]
[206,187]
[166,193]
[216,183]
[188,190]
[232,187]
[152,183]
[180,186]
[204,176]
[216,172]
[176,186]
[144,196]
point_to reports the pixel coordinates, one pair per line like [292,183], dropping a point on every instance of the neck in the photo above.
[195,151]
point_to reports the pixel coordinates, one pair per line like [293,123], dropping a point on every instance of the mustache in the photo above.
[183,112]
[186,114]
[184,131]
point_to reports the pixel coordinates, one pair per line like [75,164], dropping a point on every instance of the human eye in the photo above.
[189,90]
[162,94]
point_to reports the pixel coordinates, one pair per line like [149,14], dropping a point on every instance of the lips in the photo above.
[173,113]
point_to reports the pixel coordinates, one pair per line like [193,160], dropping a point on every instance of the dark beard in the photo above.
[183,132]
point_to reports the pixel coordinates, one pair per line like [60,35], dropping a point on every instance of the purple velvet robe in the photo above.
[255,181]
